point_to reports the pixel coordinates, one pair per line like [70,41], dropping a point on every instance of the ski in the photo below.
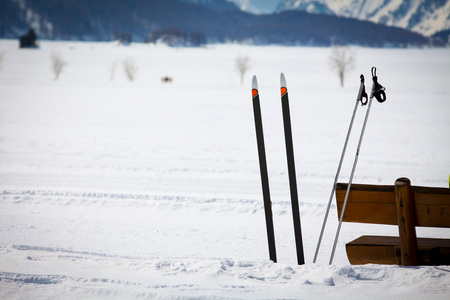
[263,170]
[291,170]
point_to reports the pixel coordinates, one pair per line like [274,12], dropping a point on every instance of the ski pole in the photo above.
[291,170]
[377,92]
[263,170]
[361,94]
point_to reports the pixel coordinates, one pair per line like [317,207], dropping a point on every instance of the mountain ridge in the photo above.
[423,16]
[219,22]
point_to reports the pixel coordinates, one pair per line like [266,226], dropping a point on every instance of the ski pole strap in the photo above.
[362,92]
[377,89]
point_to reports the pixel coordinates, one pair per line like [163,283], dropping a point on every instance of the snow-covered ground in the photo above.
[119,189]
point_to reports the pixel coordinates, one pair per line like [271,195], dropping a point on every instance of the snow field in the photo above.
[119,189]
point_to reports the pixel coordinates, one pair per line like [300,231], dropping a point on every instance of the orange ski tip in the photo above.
[283,90]
[254,92]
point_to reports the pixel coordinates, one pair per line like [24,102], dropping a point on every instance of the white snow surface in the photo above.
[112,189]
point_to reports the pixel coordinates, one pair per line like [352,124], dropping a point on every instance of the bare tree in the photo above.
[2,56]
[130,68]
[342,60]
[112,70]
[57,64]
[242,66]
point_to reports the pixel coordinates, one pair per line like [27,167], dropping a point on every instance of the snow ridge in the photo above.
[89,199]
[200,277]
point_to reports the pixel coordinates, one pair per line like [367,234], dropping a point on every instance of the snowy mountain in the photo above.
[257,6]
[215,21]
[423,16]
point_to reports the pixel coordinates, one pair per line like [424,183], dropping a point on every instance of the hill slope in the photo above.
[93,20]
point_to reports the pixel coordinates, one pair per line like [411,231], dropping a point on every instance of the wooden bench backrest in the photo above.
[376,204]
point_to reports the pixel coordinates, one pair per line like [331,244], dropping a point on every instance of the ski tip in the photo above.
[282,80]
[283,84]
[254,83]
[254,86]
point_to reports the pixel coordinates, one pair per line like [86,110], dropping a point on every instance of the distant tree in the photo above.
[172,36]
[123,37]
[28,40]
[242,66]
[197,39]
[130,68]
[176,37]
[112,70]
[2,57]
[342,60]
[154,36]
[57,64]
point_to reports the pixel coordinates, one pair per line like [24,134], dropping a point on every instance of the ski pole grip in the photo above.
[377,89]
[362,91]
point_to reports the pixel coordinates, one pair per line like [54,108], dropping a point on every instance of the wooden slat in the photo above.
[432,206]
[376,204]
[367,203]
[386,250]
[374,250]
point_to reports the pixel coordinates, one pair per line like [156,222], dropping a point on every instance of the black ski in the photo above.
[263,170]
[291,170]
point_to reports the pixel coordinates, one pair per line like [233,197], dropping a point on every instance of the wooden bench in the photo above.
[405,206]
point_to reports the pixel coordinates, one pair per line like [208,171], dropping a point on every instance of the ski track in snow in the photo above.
[102,272]
[123,200]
